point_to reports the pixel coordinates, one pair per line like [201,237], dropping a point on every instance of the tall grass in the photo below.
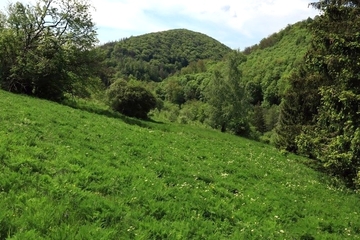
[68,173]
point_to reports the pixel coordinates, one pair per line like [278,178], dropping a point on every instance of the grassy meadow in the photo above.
[88,173]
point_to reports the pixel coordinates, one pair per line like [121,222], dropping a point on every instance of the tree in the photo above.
[258,119]
[255,92]
[174,92]
[47,47]
[334,56]
[298,108]
[131,99]
[228,99]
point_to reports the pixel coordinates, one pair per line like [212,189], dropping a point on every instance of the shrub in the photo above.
[131,100]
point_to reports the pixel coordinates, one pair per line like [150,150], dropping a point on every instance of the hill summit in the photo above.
[155,56]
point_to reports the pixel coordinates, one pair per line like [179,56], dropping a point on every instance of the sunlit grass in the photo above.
[67,173]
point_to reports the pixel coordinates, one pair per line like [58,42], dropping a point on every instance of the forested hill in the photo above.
[155,56]
[264,74]
[270,63]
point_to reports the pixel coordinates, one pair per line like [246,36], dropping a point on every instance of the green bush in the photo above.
[130,99]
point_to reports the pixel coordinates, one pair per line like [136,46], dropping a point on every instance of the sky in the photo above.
[235,23]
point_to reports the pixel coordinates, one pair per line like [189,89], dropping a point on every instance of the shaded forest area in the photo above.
[298,89]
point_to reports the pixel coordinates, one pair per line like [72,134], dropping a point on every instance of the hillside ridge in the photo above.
[155,56]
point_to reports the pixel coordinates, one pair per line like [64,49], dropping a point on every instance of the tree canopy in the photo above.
[228,99]
[330,132]
[264,75]
[130,99]
[46,47]
[155,56]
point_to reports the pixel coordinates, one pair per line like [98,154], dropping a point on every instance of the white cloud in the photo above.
[249,19]
[233,22]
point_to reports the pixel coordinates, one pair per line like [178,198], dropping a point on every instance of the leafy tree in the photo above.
[131,99]
[174,92]
[46,47]
[227,96]
[335,138]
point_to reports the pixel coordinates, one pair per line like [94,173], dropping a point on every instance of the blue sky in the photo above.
[236,23]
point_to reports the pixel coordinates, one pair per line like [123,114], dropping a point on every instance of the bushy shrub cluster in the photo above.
[131,99]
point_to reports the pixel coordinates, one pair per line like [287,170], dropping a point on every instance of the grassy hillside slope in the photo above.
[71,174]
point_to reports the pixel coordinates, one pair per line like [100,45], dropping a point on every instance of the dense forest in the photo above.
[298,89]
[155,56]
[264,70]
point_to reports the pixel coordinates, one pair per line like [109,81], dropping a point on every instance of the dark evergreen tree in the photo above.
[334,56]
[298,108]
[258,119]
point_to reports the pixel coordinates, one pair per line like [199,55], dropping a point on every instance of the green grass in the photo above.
[67,173]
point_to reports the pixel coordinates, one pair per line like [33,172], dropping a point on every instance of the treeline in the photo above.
[213,96]
[275,38]
[263,74]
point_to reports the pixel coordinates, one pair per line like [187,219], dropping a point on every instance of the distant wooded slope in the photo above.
[270,63]
[155,56]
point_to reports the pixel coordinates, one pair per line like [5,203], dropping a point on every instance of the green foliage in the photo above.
[227,96]
[264,79]
[269,64]
[155,56]
[335,138]
[298,109]
[271,116]
[276,38]
[174,92]
[254,90]
[131,99]
[258,119]
[170,112]
[87,174]
[45,50]
[194,67]
[193,112]
[333,56]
